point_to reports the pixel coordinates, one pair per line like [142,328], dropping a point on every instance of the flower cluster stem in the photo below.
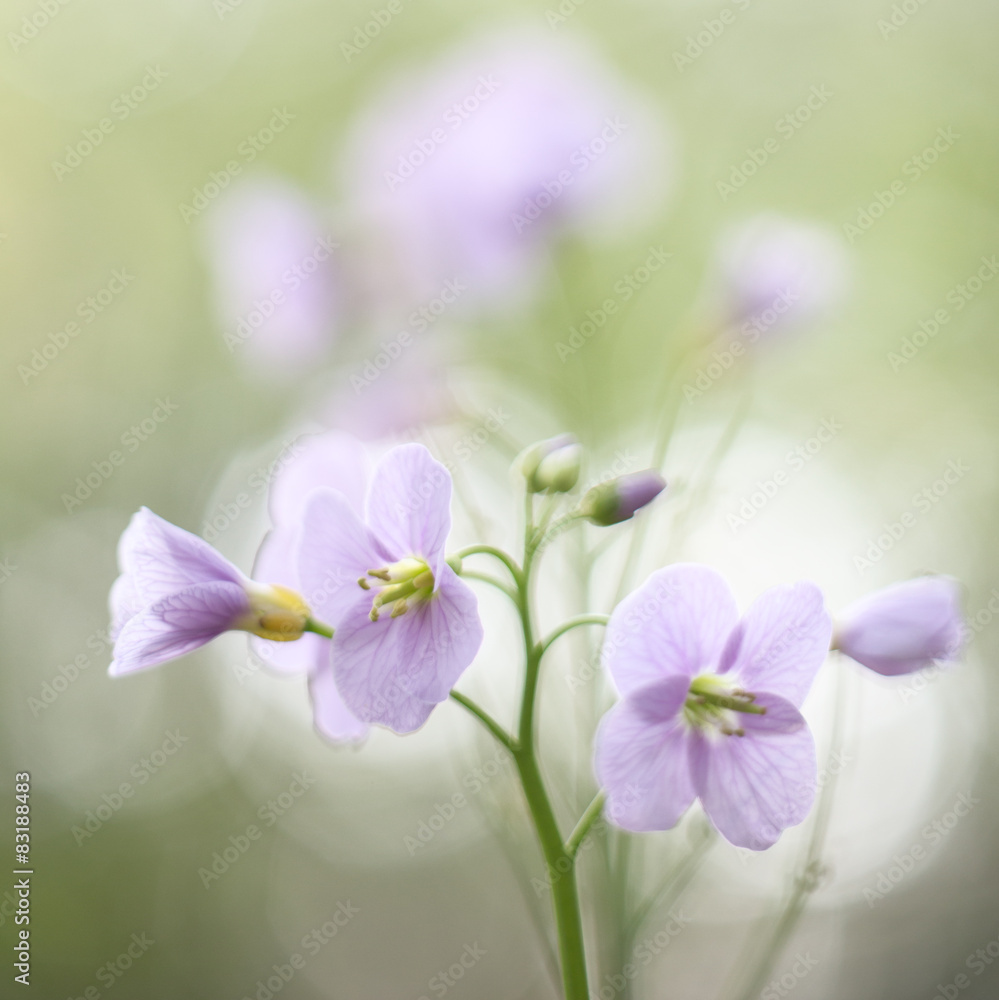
[559,855]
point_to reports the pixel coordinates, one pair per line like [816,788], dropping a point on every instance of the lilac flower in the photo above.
[904,627]
[406,626]
[176,593]
[710,705]
[777,272]
[468,169]
[274,284]
[332,460]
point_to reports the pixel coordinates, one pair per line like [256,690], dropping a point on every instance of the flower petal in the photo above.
[409,505]
[301,656]
[675,624]
[755,786]
[781,642]
[161,558]
[642,757]
[904,627]
[332,717]
[177,624]
[383,668]
[334,551]
[334,460]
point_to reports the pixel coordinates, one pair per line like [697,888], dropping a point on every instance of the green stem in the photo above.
[585,824]
[561,877]
[491,550]
[311,625]
[570,624]
[471,574]
[486,719]
[559,862]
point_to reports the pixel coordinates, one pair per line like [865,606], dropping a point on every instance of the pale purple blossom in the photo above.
[466,170]
[905,627]
[777,272]
[176,593]
[406,626]
[710,705]
[274,283]
[333,460]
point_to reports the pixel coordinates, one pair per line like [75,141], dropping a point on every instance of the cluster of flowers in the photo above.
[709,703]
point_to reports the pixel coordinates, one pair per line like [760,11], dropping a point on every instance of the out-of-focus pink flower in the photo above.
[905,627]
[273,276]
[777,272]
[466,170]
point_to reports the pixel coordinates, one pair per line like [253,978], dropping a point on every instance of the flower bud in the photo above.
[618,499]
[552,465]
[903,628]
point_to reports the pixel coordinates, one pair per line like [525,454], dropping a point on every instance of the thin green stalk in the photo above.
[311,625]
[486,719]
[491,550]
[560,863]
[570,624]
[585,824]
[471,574]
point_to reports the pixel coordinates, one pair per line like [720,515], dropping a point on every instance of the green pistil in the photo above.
[711,702]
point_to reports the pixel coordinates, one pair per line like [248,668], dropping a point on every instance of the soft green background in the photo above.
[63,238]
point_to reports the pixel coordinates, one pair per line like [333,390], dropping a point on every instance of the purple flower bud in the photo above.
[905,627]
[618,499]
[552,464]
